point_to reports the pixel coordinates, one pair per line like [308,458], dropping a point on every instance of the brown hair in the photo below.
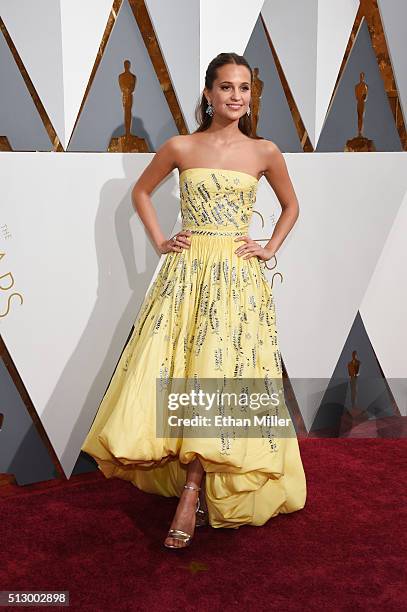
[203,119]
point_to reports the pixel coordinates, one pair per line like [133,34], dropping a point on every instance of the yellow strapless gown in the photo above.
[208,314]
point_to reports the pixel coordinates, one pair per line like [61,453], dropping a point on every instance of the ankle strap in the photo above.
[193,488]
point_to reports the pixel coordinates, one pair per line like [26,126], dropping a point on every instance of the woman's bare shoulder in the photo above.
[177,146]
[269,152]
[267,146]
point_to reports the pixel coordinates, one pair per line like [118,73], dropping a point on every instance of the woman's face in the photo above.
[231,91]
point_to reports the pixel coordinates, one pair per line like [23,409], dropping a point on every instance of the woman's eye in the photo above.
[245,87]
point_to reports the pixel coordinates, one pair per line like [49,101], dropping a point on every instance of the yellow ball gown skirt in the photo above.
[209,314]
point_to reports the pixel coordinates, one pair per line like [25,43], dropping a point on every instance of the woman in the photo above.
[208,315]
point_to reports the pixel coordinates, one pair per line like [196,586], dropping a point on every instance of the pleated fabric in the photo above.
[209,314]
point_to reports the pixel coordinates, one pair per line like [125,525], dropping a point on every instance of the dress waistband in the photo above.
[220,232]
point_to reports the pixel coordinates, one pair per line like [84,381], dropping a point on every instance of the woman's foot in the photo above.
[184,518]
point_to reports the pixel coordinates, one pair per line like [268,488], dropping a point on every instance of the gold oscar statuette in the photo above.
[128,143]
[360,143]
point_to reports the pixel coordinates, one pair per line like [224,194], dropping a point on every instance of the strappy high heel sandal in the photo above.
[179,535]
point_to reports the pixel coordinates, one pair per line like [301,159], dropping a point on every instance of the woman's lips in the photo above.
[234,106]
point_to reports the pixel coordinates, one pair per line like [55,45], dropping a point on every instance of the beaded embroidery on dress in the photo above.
[208,314]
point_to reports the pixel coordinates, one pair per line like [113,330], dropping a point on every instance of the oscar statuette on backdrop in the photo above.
[128,143]
[359,143]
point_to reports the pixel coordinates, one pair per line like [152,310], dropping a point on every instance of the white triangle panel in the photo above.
[176,25]
[310,39]
[335,23]
[225,26]
[83,24]
[293,29]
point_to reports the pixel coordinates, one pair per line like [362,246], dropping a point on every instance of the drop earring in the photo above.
[248,111]
[210,109]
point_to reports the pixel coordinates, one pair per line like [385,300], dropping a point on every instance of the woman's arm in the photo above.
[277,175]
[162,164]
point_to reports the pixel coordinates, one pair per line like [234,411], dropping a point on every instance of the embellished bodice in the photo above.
[216,201]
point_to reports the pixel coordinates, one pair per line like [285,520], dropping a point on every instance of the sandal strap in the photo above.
[193,488]
[177,534]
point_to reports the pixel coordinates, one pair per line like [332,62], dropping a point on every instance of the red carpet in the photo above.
[102,541]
